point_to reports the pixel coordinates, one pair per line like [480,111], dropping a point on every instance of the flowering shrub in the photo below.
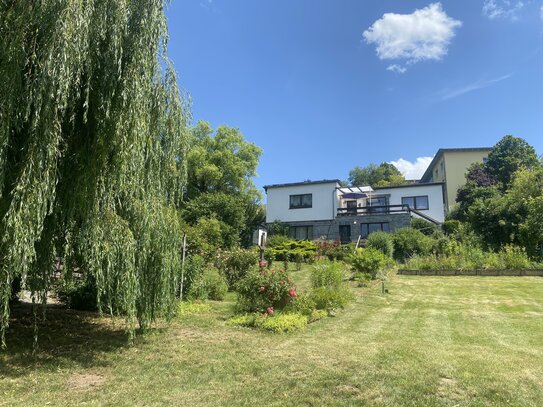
[264,291]
[334,250]
[234,264]
[301,304]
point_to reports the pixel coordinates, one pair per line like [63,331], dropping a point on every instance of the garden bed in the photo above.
[482,272]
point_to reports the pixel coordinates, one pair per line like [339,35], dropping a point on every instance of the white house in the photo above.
[325,209]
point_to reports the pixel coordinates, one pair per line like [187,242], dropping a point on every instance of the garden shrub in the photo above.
[318,314]
[514,258]
[451,227]
[260,291]
[422,225]
[334,250]
[328,275]
[193,268]
[209,285]
[278,323]
[409,242]
[276,240]
[367,261]
[381,241]
[330,299]
[288,250]
[234,264]
[301,304]
[283,323]
[80,295]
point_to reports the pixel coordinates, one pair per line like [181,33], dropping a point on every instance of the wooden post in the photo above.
[183,255]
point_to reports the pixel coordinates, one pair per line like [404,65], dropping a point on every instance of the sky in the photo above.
[324,86]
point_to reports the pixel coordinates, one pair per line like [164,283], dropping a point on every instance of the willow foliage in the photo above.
[92,151]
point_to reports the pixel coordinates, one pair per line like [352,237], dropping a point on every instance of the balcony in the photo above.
[373,210]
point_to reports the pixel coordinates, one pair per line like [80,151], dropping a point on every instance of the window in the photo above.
[301,201]
[380,204]
[367,228]
[301,232]
[416,202]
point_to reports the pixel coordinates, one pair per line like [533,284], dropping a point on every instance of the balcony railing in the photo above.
[373,210]
[383,210]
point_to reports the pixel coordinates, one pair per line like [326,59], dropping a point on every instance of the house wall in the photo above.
[456,166]
[329,229]
[325,203]
[435,195]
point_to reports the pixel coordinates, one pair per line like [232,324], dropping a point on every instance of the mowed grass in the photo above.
[431,341]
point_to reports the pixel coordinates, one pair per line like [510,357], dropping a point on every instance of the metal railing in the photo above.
[372,210]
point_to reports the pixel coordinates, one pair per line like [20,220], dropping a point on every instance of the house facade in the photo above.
[326,210]
[449,166]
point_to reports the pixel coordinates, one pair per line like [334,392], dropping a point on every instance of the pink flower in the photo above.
[269,310]
[292,292]
[261,289]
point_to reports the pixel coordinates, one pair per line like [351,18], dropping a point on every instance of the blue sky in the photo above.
[324,86]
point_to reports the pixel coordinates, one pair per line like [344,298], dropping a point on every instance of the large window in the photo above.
[301,201]
[367,228]
[301,232]
[378,204]
[416,202]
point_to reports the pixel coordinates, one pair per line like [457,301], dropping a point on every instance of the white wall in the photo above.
[434,192]
[324,203]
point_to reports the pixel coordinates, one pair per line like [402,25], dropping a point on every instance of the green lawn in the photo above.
[434,341]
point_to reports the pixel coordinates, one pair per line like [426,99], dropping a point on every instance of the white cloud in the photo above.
[412,170]
[541,12]
[422,35]
[396,68]
[502,8]
[447,94]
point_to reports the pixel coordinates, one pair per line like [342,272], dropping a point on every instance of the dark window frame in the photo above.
[301,205]
[383,226]
[308,232]
[416,206]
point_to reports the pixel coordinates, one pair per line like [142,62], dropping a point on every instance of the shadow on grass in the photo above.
[65,337]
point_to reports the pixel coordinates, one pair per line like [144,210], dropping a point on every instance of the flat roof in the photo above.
[420,184]
[308,182]
[441,151]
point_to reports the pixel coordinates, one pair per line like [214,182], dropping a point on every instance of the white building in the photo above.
[324,209]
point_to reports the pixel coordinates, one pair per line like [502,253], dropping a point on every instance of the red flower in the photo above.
[292,292]
[261,289]
[269,311]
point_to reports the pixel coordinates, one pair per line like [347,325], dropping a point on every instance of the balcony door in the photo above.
[351,207]
[376,204]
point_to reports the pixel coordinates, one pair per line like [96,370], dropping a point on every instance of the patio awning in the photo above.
[354,195]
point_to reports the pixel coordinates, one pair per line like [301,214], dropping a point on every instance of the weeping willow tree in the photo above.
[93,132]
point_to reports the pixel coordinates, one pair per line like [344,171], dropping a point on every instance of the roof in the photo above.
[440,153]
[308,182]
[420,184]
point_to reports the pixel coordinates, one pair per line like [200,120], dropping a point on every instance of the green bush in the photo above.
[367,261]
[330,299]
[289,250]
[193,268]
[409,242]
[277,323]
[277,240]
[381,241]
[81,296]
[318,314]
[301,304]
[422,225]
[210,285]
[235,264]
[334,250]
[451,227]
[362,279]
[260,291]
[283,323]
[328,275]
